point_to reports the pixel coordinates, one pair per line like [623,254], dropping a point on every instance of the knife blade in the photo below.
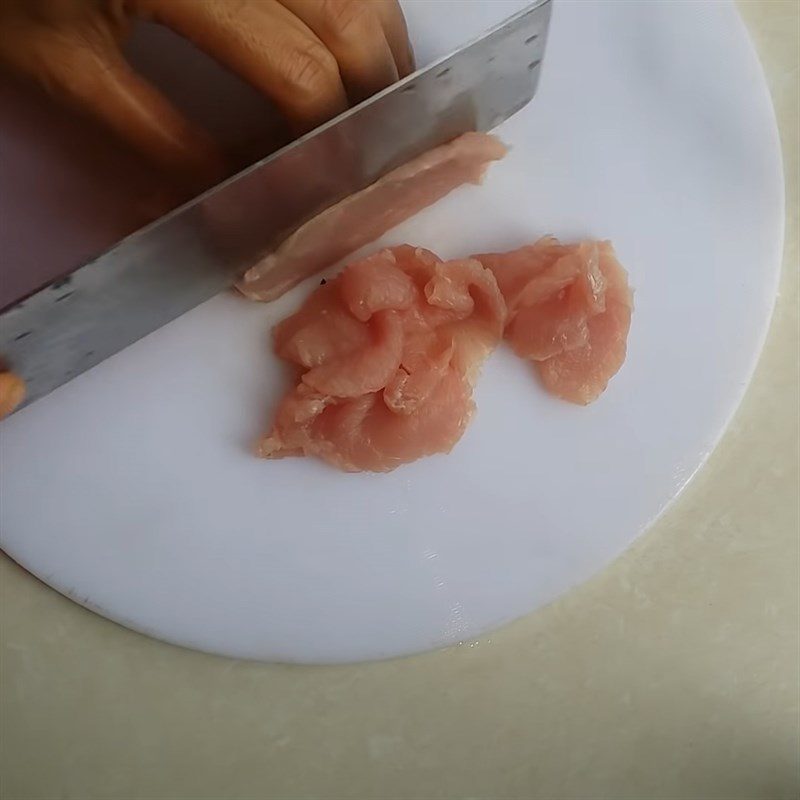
[201,248]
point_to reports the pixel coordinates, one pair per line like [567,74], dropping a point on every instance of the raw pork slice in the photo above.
[387,354]
[569,311]
[368,214]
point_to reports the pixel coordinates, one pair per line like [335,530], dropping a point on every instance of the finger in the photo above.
[82,65]
[396,32]
[353,32]
[107,88]
[268,46]
[12,392]
[94,78]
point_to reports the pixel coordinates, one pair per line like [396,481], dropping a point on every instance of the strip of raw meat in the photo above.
[388,354]
[368,214]
[569,311]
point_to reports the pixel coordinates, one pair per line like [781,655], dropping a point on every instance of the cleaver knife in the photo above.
[201,248]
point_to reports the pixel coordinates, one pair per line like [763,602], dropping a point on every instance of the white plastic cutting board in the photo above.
[133,490]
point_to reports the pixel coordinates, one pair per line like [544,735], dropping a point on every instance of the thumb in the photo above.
[12,392]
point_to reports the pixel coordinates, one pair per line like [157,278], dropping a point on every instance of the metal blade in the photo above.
[198,250]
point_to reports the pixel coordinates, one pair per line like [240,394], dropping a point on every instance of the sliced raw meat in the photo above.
[364,433]
[376,284]
[569,311]
[368,214]
[365,370]
[388,353]
[321,331]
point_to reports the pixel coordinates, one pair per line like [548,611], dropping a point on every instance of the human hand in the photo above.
[308,56]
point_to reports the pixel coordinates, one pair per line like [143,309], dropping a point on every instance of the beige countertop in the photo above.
[672,674]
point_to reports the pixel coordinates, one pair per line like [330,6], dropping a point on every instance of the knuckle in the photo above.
[346,18]
[313,70]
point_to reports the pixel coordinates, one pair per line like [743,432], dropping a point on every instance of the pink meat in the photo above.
[569,311]
[368,214]
[387,355]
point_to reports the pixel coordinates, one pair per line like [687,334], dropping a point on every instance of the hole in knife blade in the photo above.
[412,87]
[534,64]
[444,72]
[64,296]
[22,335]
[532,39]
